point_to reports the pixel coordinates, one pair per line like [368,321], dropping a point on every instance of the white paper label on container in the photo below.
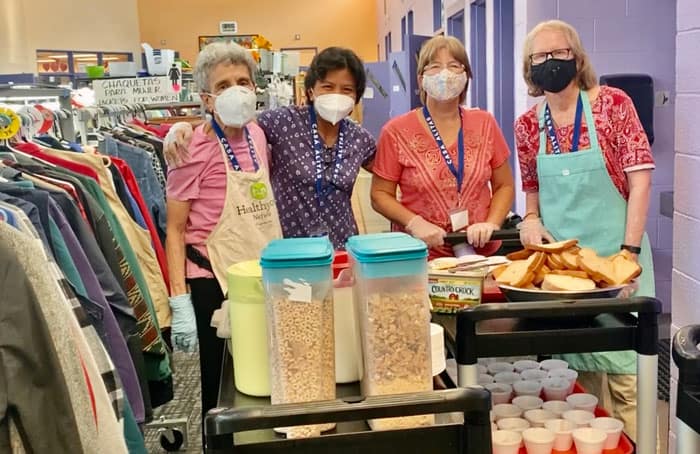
[369,93]
[396,88]
[300,292]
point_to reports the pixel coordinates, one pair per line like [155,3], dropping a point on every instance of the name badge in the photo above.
[459,218]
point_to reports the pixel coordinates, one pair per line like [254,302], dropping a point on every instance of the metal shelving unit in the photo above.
[37,94]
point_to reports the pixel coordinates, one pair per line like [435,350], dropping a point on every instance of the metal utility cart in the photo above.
[552,327]
[243,424]
[686,355]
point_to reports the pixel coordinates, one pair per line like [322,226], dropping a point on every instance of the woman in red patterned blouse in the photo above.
[624,143]
[586,169]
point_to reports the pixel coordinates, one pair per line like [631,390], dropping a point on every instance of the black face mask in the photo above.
[553,75]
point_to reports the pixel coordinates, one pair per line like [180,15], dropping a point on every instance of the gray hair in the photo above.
[217,53]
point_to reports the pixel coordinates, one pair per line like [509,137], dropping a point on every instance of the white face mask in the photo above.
[444,85]
[236,106]
[333,107]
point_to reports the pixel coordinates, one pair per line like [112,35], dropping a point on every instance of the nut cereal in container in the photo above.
[299,299]
[391,298]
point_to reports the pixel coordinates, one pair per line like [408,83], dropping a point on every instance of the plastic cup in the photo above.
[551,364]
[583,401]
[500,393]
[500,366]
[556,388]
[502,411]
[568,374]
[558,407]
[563,433]
[537,418]
[612,427]
[538,440]
[506,442]
[589,440]
[581,418]
[514,424]
[485,379]
[528,402]
[534,374]
[507,377]
[526,364]
[527,388]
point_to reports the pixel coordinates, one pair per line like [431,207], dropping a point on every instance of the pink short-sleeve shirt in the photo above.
[201,180]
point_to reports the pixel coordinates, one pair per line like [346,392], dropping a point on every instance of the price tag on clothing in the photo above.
[459,218]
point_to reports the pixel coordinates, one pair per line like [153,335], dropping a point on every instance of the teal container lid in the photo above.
[297,252]
[386,247]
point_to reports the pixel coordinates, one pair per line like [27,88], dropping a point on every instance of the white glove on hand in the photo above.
[184,323]
[430,234]
[532,232]
[479,234]
[176,143]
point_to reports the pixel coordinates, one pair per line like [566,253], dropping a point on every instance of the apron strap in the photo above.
[590,122]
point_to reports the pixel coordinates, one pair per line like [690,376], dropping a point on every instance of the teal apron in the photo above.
[579,200]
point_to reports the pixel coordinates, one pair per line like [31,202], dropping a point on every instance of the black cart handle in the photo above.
[498,235]
[475,401]
[563,308]
[686,355]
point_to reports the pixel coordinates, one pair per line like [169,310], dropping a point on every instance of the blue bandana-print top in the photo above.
[292,172]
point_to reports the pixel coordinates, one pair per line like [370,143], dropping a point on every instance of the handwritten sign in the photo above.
[140,90]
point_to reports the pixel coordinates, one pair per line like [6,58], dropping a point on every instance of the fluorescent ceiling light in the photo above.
[45,60]
[110,58]
[85,55]
[58,56]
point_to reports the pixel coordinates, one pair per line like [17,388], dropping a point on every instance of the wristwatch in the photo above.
[633,249]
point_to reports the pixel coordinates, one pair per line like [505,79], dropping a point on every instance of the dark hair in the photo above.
[333,59]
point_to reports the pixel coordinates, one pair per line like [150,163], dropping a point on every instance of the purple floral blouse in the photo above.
[303,213]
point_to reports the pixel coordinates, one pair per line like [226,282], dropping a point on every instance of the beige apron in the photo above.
[248,221]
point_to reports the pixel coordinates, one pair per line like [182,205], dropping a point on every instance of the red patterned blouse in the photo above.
[620,134]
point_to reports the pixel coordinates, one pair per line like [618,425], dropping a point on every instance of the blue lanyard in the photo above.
[229,152]
[556,149]
[318,155]
[459,171]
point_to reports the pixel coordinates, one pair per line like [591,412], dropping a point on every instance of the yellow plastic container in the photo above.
[251,364]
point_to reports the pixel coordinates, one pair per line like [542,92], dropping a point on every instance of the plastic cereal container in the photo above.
[391,299]
[299,301]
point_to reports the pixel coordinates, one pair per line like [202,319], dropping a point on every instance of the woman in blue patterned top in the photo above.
[316,152]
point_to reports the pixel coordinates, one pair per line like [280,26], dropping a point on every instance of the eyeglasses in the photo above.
[541,57]
[434,68]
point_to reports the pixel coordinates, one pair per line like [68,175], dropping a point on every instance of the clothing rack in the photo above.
[33,95]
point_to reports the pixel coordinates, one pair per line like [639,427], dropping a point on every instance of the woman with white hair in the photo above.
[220,205]
[586,168]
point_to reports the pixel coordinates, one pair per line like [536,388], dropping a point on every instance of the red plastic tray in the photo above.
[625,446]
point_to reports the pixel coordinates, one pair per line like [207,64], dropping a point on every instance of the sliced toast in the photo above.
[522,272]
[553,248]
[574,273]
[522,254]
[625,270]
[559,283]
[600,269]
